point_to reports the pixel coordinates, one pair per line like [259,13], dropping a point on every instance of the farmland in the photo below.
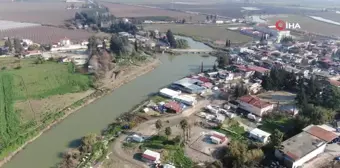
[45,35]
[50,13]
[32,95]
[121,10]
[309,24]
[213,32]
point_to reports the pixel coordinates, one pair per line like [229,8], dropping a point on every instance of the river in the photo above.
[46,151]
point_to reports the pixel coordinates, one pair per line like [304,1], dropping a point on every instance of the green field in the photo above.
[309,24]
[213,32]
[25,81]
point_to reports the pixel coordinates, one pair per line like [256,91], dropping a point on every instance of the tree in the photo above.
[276,139]
[207,17]
[117,45]
[222,59]
[183,21]
[240,90]
[171,39]
[88,141]
[8,44]
[92,46]
[215,164]
[136,46]
[17,46]
[239,155]
[168,131]
[214,67]
[33,47]
[182,43]
[159,125]
[184,125]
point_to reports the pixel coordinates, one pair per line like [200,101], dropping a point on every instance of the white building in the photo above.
[186,99]
[65,42]
[255,105]
[27,41]
[151,156]
[219,21]
[282,34]
[169,93]
[304,146]
[217,137]
[259,135]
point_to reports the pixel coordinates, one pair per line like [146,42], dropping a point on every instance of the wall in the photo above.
[255,110]
[309,156]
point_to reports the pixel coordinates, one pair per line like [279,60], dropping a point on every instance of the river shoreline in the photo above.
[132,73]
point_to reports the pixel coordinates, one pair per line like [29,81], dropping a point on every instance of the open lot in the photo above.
[52,13]
[308,24]
[122,10]
[34,86]
[45,34]
[213,32]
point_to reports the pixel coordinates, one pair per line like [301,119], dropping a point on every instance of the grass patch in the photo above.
[282,123]
[32,81]
[158,99]
[44,80]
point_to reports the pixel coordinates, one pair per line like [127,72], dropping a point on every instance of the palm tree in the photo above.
[159,125]
[184,125]
[168,131]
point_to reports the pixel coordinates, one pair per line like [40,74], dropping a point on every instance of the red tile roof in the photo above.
[148,157]
[252,68]
[334,82]
[255,101]
[291,155]
[173,106]
[321,133]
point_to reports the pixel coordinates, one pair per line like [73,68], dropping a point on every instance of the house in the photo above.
[65,42]
[217,137]
[304,146]
[168,166]
[255,105]
[169,93]
[151,156]
[174,106]
[188,85]
[186,99]
[259,135]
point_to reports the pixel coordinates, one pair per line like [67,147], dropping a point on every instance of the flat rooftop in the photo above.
[301,144]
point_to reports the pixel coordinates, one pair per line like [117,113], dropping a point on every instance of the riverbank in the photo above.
[129,73]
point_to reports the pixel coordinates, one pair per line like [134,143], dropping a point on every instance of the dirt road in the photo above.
[148,128]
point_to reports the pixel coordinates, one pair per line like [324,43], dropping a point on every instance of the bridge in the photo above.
[191,51]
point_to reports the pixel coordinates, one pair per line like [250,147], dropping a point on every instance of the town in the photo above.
[167,91]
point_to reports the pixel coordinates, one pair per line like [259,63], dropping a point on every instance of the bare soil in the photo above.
[51,13]
[51,104]
[124,10]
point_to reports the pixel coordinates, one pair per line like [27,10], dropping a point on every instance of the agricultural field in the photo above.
[32,95]
[309,24]
[7,25]
[45,35]
[50,13]
[213,32]
[123,10]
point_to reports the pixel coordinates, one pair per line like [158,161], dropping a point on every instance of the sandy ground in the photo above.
[148,128]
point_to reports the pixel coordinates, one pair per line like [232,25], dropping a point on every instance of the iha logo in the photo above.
[282,25]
